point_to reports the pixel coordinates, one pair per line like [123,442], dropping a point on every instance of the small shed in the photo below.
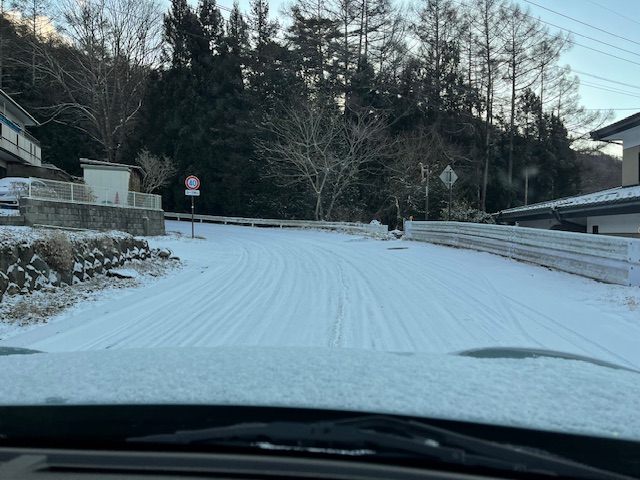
[112,181]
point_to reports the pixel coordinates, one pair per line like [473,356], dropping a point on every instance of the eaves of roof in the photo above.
[615,201]
[627,123]
[27,118]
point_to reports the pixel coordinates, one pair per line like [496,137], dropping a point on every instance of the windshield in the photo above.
[426,208]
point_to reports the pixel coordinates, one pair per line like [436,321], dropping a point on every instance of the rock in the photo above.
[4,283]
[8,257]
[88,269]
[30,277]
[16,275]
[26,253]
[40,265]
[97,267]
[41,282]
[66,277]
[99,256]
[13,289]
[55,278]
[164,253]
[122,273]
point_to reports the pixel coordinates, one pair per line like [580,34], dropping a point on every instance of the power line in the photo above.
[588,37]
[611,90]
[614,12]
[582,23]
[606,79]
[605,53]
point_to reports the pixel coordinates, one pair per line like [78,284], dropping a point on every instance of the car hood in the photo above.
[542,393]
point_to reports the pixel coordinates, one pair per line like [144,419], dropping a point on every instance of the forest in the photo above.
[332,109]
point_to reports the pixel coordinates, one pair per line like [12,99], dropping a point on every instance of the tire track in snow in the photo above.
[343,303]
[249,286]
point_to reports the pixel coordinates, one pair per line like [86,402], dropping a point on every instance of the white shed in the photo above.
[111,181]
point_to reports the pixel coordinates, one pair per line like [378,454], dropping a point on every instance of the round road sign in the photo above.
[192,182]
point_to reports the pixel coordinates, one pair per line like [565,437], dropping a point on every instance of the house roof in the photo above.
[102,163]
[610,132]
[613,201]
[19,112]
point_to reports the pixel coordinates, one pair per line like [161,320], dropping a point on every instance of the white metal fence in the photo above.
[376,229]
[79,193]
[605,258]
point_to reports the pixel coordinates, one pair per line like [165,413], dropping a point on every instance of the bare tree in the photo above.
[488,23]
[36,13]
[156,171]
[315,145]
[530,51]
[103,73]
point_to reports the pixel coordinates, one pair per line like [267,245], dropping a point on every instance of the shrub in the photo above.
[462,211]
[56,250]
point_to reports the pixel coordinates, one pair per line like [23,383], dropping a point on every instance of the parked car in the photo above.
[12,188]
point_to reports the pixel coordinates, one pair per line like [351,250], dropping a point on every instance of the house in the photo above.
[114,180]
[615,211]
[17,146]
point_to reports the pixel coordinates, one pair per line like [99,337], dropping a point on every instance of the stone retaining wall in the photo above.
[32,259]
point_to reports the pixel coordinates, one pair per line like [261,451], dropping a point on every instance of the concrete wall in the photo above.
[622,225]
[631,166]
[136,221]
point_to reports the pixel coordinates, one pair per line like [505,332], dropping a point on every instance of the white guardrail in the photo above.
[601,257]
[42,189]
[369,228]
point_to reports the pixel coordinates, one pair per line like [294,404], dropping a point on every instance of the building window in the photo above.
[594,228]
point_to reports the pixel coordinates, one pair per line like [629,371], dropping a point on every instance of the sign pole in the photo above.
[426,197]
[449,177]
[450,190]
[193,184]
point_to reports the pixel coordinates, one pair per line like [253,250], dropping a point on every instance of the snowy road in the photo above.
[273,287]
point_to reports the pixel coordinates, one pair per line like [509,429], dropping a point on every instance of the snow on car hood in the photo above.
[541,393]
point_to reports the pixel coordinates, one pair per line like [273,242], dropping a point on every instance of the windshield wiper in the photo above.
[384,436]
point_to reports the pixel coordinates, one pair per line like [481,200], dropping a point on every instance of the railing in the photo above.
[369,228]
[601,257]
[23,146]
[79,193]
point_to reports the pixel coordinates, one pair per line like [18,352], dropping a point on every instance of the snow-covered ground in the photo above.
[262,316]
[245,286]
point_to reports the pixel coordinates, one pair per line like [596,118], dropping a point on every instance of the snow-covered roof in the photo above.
[102,163]
[611,197]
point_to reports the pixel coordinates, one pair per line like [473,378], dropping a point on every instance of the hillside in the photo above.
[598,171]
